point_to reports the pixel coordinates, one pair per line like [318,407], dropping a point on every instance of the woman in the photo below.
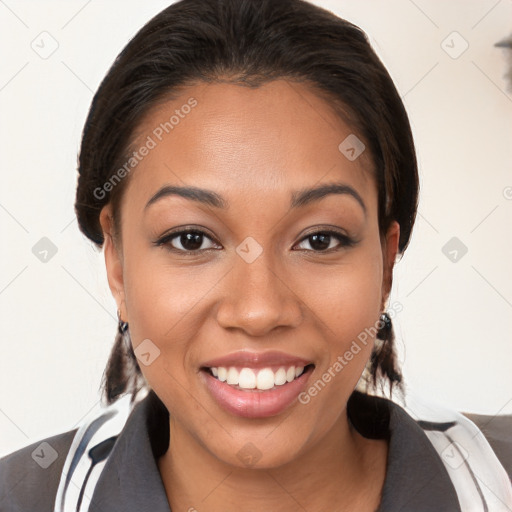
[249,170]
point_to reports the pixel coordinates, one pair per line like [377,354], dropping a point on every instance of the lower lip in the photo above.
[253,403]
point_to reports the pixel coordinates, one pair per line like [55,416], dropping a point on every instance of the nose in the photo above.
[258,298]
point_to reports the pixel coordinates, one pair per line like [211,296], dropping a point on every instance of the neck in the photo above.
[348,468]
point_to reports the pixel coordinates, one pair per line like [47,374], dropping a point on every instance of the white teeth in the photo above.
[247,379]
[232,376]
[263,379]
[222,373]
[280,377]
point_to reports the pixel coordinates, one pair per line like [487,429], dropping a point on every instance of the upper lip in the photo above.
[256,360]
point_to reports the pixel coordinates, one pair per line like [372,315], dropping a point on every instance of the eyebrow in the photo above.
[308,195]
[200,195]
[299,198]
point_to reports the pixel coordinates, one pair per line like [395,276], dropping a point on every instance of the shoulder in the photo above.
[498,432]
[475,467]
[29,477]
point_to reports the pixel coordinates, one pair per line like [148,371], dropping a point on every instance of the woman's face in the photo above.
[249,293]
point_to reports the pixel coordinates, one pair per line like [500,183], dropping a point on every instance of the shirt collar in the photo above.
[416,478]
[130,480]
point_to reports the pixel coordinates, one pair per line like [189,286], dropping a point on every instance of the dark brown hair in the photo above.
[246,42]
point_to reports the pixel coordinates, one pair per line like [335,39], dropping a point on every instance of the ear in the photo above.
[389,253]
[113,260]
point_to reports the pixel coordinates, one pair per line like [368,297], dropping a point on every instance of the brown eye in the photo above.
[323,241]
[191,241]
[187,241]
[320,241]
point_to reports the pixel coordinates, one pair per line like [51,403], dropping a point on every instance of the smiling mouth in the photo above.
[257,379]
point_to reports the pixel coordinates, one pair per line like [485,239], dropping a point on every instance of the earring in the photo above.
[385,330]
[122,327]
[383,358]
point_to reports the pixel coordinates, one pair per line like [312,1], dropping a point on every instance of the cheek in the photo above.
[347,297]
[348,314]
[160,296]
[162,305]
[347,305]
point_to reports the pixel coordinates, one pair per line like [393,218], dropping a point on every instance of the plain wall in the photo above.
[58,318]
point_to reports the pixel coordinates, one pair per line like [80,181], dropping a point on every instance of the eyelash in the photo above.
[344,241]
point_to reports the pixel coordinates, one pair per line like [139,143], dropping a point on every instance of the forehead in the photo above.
[276,137]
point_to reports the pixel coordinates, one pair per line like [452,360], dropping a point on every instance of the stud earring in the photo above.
[122,327]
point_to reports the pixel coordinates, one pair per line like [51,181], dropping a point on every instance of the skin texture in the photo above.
[254,147]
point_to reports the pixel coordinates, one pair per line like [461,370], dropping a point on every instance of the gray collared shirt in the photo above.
[416,479]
